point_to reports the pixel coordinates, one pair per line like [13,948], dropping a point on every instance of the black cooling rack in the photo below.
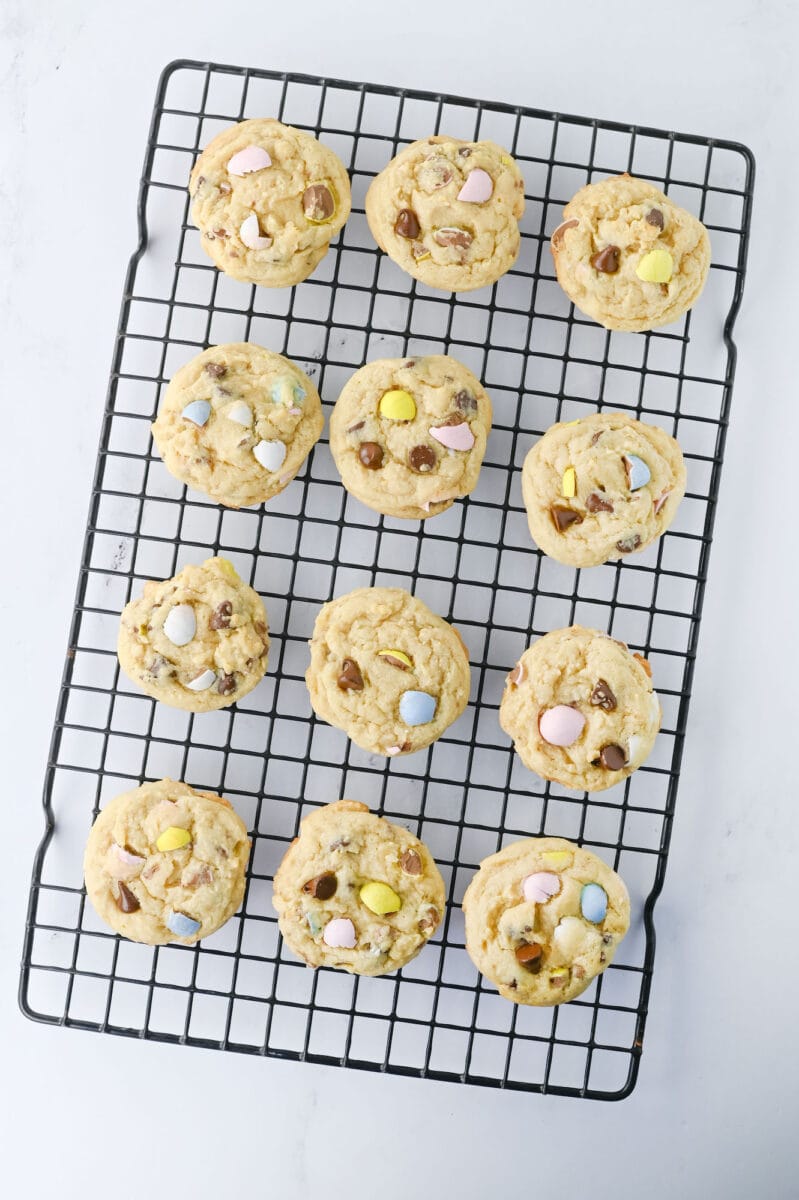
[467,795]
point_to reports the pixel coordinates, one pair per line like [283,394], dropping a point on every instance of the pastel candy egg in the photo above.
[593,903]
[180,625]
[454,437]
[561,725]
[380,898]
[569,936]
[339,933]
[197,412]
[202,682]
[397,405]
[251,158]
[478,187]
[271,455]
[568,485]
[239,412]
[182,925]
[173,838]
[540,886]
[558,858]
[251,236]
[397,658]
[287,391]
[638,473]
[417,708]
[655,267]
[121,864]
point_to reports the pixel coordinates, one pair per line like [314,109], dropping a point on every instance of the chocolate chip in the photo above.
[430,920]
[557,234]
[394,662]
[221,233]
[452,236]
[597,502]
[350,678]
[421,459]
[158,664]
[260,628]
[220,618]
[126,901]
[628,544]
[215,370]
[409,362]
[606,260]
[321,887]
[407,224]
[226,685]
[354,428]
[530,956]
[465,401]
[607,938]
[655,217]
[464,152]
[612,758]
[318,203]
[371,455]
[602,696]
[411,863]
[595,438]
[564,517]
[578,971]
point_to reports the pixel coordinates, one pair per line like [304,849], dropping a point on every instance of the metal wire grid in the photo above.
[467,795]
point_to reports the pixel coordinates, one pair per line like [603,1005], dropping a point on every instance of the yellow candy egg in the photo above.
[656,267]
[398,405]
[569,483]
[380,898]
[557,858]
[227,568]
[173,838]
[399,655]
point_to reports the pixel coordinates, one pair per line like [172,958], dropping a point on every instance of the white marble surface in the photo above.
[715,1109]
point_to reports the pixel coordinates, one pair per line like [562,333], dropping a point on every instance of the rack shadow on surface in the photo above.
[467,795]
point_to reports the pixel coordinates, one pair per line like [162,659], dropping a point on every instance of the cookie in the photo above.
[198,641]
[387,670]
[627,256]
[601,488]
[408,435]
[357,892]
[267,200]
[447,212]
[581,709]
[238,422]
[543,918]
[164,863]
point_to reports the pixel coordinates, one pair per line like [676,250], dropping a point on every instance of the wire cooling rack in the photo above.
[467,795]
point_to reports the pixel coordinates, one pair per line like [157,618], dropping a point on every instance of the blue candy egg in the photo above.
[181,925]
[198,411]
[594,903]
[287,391]
[417,708]
[637,471]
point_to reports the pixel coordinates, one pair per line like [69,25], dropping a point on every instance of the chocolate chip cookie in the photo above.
[408,435]
[267,200]
[447,212]
[357,892]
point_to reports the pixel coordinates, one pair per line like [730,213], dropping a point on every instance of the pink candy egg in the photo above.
[478,187]
[540,886]
[339,933]
[454,437]
[561,725]
[251,158]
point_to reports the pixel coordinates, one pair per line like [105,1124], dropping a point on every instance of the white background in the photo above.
[715,1110]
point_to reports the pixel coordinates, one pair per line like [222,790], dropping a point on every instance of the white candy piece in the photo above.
[239,412]
[250,234]
[251,158]
[271,455]
[570,936]
[202,682]
[180,625]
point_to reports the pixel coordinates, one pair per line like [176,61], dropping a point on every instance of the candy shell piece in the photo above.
[558,858]
[569,936]
[594,903]
[655,267]
[638,473]
[182,925]
[287,391]
[197,412]
[339,933]
[121,864]
[314,924]
[417,708]
[180,625]
[380,898]
[250,234]
[561,725]
[251,158]
[401,657]
[202,682]
[173,838]
[540,886]
[397,405]
[454,437]
[478,187]
[239,412]
[568,485]
[271,455]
